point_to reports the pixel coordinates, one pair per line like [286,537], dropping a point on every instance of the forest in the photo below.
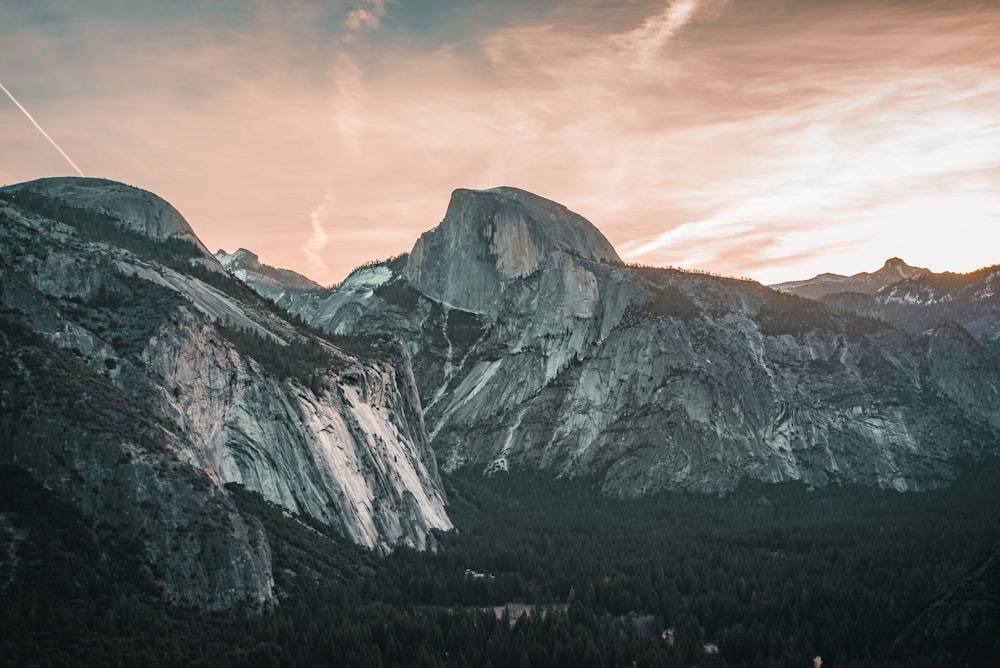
[767,575]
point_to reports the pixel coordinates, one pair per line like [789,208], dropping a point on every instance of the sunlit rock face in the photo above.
[489,239]
[533,346]
[340,438]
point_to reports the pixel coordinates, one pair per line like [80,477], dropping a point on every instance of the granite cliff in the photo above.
[187,380]
[534,346]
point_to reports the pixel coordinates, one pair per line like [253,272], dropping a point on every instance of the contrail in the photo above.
[44,133]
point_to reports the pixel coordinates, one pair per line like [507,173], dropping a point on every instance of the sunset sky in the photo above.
[773,139]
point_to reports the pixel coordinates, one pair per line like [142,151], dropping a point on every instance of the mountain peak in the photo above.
[137,209]
[491,237]
[241,257]
[893,271]
[894,266]
[265,279]
[553,226]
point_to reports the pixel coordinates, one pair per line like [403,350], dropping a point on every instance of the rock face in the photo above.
[489,239]
[269,282]
[533,346]
[80,436]
[133,208]
[224,386]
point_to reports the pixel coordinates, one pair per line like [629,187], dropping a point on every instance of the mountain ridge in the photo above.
[241,393]
[893,271]
[468,353]
[922,300]
[651,378]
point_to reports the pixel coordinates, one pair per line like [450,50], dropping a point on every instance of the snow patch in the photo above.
[368,277]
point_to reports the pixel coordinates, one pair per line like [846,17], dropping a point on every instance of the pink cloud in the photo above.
[726,137]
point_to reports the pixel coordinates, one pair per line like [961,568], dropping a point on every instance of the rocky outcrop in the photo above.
[345,447]
[270,282]
[133,208]
[236,392]
[491,238]
[102,453]
[533,346]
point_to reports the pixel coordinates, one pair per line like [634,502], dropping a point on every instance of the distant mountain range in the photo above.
[141,374]
[914,299]
[893,271]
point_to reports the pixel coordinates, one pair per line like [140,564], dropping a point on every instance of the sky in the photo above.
[769,139]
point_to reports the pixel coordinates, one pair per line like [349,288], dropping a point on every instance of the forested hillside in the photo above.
[767,575]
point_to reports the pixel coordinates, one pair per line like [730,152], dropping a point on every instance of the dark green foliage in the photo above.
[298,359]
[769,573]
[772,574]
[962,625]
[73,593]
[666,299]
[126,311]
[669,301]
[39,380]
[305,552]
[787,314]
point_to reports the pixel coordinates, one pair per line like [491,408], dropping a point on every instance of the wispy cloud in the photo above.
[320,237]
[657,30]
[744,138]
[367,16]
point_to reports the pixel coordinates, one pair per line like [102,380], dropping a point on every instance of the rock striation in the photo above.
[533,346]
[491,238]
[224,388]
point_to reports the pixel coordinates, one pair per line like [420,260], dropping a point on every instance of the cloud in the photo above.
[886,163]
[768,135]
[368,16]
[654,33]
[318,240]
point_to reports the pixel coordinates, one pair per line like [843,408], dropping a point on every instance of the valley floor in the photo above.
[769,575]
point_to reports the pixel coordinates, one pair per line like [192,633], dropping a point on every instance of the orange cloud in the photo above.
[772,140]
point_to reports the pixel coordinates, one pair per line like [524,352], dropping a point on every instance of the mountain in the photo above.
[139,378]
[534,346]
[917,300]
[131,208]
[892,272]
[270,282]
